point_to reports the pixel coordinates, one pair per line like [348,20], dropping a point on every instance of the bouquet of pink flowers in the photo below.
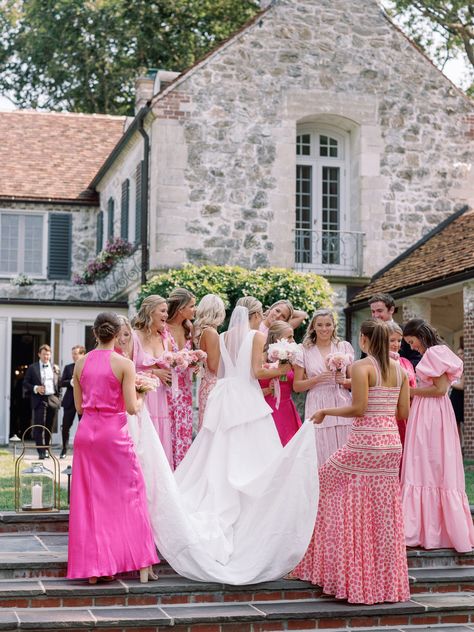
[146,382]
[181,361]
[283,351]
[338,362]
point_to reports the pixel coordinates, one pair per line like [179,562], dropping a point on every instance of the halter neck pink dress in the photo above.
[109,528]
[358,547]
[286,418]
[156,401]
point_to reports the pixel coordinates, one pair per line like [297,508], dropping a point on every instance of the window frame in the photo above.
[21,244]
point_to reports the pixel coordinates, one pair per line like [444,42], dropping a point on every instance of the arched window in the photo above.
[321,196]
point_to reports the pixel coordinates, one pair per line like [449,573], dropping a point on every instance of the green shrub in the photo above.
[305,290]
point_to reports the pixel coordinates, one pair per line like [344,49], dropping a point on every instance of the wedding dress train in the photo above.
[240,508]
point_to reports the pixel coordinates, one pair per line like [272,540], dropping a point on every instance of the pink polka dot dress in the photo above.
[358,547]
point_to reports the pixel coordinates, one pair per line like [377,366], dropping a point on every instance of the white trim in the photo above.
[21,244]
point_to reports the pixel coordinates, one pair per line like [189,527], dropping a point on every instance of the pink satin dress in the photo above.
[155,401]
[109,527]
[435,505]
[286,418]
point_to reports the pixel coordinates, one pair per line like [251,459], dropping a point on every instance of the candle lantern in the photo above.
[37,485]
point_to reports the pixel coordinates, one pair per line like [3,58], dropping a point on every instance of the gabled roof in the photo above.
[443,256]
[53,156]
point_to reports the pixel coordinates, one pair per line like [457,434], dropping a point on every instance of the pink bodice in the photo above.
[101,390]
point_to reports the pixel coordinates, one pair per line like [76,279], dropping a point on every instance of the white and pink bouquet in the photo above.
[283,351]
[338,362]
[181,361]
[146,382]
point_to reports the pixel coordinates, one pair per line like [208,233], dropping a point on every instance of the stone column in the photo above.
[468,300]
[416,308]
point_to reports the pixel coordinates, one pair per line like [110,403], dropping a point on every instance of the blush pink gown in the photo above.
[332,434]
[156,401]
[286,418]
[435,505]
[109,528]
[358,547]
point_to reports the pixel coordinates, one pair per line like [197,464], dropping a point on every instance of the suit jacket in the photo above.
[33,378]
[65,382]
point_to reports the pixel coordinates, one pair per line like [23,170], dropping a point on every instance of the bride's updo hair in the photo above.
[209,313]
[106,326]
[378,334]
[277,332]
[143,319]
[253,305]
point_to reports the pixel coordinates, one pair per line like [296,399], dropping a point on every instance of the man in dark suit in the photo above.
[42,383]
[69,409]
[382,307]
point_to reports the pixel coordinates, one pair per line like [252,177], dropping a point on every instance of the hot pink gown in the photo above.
[358,547]
[332,434]
[109,528]
[286,418]
[155,401]
[180,404]
[435,505]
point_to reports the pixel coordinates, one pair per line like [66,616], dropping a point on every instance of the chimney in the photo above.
[144,89]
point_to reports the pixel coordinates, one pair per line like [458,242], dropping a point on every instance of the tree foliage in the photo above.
[445,27]
[306,291]
[84,55]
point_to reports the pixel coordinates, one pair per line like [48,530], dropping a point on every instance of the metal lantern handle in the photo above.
[38,426]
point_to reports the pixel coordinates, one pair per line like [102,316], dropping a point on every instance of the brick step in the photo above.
[258,616]
[11,522]
[174,589]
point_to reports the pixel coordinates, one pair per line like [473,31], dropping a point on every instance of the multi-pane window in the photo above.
[320,182]
[22,247]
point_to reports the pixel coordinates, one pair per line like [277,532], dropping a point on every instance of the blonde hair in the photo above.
[143,319]
[378,334]
[394,328]
[124,322]
[283,301]
[311,337]
[276,332]
[209,313]
[253,305]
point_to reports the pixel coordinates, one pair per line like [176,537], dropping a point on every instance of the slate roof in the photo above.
[53,156]
[441,257]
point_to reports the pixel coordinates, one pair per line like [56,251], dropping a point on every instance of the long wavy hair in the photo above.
[178,299]
[421,329]
[310,337]
[378,335]
[144,317]
[209,313]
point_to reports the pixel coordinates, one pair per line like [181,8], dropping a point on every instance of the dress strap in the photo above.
[378,374]
[399,375]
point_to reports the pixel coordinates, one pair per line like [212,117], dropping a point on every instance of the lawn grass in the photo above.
[7,483]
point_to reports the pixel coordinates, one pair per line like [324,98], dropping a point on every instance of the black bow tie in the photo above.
[45,366]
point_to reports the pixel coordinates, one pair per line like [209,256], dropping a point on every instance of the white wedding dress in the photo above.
[240,508]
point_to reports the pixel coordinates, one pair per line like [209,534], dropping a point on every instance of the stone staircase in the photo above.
[34,595]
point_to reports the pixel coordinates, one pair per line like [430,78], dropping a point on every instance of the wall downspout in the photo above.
[145,264]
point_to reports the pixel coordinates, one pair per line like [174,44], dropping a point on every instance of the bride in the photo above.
[240,508]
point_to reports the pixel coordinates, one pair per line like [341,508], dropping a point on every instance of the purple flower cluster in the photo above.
[104,262]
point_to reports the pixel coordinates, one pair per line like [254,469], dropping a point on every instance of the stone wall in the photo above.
[223,153]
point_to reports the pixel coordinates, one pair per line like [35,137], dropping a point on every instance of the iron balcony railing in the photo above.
[329,252]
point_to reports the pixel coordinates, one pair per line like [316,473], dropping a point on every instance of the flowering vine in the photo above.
[99,267]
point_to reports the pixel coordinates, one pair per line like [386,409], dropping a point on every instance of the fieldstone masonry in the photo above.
[223,163]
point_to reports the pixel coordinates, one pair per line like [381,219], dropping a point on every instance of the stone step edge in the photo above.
[433,606]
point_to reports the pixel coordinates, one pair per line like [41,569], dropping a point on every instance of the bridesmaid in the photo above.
[358,547]
[147,346]
[287,420]
[325,388]
[282,310]
[109,529]
[435,504]
[181,309]
[210,314]
[395,340]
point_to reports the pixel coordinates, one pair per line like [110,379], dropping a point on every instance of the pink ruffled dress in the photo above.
[358,547]
[332,434]
[435,505]
[109,528]
[155,401]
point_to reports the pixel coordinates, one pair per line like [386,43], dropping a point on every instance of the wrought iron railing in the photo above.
[330,252]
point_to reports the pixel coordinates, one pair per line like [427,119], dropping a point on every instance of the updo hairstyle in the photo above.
[253,305]
[106,326]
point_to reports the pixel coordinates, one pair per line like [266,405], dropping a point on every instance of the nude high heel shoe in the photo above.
[144,575]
